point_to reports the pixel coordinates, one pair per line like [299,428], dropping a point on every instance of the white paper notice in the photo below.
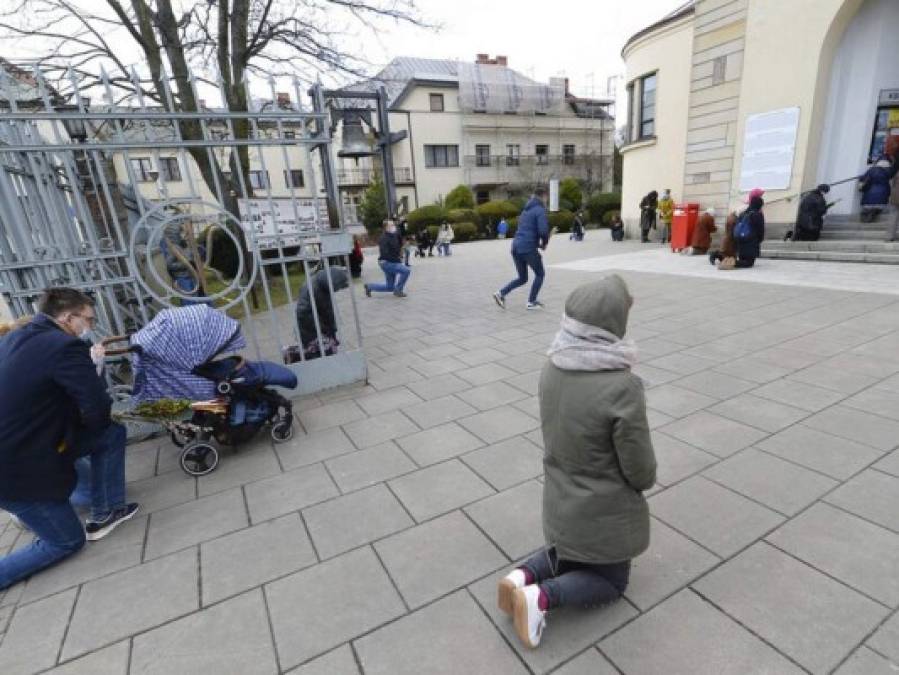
[769,145]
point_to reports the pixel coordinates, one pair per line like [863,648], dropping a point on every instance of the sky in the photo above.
[578,39]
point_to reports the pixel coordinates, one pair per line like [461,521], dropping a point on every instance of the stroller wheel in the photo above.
[199,458]
[282,431]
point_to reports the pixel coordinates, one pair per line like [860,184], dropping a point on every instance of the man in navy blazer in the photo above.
[54,409]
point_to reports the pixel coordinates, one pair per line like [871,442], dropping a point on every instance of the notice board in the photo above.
[769,145]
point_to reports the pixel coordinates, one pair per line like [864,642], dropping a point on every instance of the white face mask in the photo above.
[86,335]
[391,229]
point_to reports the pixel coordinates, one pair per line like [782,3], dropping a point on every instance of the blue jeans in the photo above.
[57,528]
[443,249]
[522,262]
[395,274]
[577,584]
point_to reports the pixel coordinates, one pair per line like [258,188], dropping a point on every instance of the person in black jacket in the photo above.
[648,207]
[749,249]
[54,409]
[391,262]
[324,310]
[810,219]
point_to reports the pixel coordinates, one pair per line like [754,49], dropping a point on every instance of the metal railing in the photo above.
[348,177]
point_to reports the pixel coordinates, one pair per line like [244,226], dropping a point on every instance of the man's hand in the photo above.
[98,353]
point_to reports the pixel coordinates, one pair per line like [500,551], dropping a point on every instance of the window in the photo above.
[169,169]
[641,99]
[294,178]
[441,155]
[436,102]
[719,69]
[513,155]
[568,154]
[259,180]
[482,197]
[482,155]
[542,152]
[290,135]
[648,106]
[142,167]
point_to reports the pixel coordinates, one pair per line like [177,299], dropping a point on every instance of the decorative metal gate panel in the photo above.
[121,202]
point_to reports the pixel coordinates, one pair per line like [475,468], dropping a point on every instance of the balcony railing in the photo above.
[512,162]
[347,177]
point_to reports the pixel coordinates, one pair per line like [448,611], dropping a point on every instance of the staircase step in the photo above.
[848,246]
[838,235]
[834,256]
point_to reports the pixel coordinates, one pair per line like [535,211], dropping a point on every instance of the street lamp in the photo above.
[76,127]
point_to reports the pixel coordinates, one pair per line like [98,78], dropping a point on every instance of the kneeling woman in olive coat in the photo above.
[599,460]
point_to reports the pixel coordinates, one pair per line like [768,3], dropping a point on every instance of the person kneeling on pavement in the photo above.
[598,462]
[54,409]
[390,259]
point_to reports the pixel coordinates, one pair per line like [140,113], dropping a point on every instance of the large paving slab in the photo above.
[377,534]
[450,636]
[810,617]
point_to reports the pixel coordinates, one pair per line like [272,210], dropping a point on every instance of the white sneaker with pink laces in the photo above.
[529,619]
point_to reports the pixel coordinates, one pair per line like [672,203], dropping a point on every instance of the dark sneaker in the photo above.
[399,294]
[97,530]
[500,300]
[367,290]
[535,305]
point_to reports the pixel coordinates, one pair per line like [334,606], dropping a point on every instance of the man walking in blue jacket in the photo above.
[54,409]
[532,234]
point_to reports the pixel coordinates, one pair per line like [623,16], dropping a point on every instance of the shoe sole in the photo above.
[520,618]
[502,305]
[97,536]
[504,592]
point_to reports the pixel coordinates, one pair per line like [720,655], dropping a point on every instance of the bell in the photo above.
[354,143]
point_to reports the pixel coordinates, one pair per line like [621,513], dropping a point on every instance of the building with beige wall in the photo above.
[487,126]
[778,95]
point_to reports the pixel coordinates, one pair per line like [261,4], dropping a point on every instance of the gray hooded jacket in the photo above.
[599,457]
[305,317]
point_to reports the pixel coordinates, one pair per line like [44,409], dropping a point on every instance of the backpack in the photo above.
[743,229]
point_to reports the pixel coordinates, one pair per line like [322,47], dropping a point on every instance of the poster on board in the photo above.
[282,221]
[769,146]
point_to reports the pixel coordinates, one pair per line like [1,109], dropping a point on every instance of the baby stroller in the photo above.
[178,356]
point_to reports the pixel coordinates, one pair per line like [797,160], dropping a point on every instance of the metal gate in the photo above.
[117,201]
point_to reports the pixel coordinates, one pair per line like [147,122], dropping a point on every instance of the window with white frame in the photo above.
[482,155]
[436,102]
[259,180]
[513,154]
[437,156]
[294,178]
[169,169]
[142,168]
[541,152]
[641,98]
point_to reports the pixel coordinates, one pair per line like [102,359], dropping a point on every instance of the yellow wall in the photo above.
[788,54]
[659,164]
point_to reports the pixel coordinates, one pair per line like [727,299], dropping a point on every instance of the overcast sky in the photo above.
[580,39]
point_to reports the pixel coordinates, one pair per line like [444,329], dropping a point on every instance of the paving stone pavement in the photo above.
[372,541]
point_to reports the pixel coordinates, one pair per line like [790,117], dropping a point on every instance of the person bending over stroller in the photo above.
[324,307]
[54,409]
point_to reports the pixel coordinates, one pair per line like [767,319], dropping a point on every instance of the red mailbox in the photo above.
[682,225]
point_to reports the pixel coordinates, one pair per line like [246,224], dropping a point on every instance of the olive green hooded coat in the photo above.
[599,457]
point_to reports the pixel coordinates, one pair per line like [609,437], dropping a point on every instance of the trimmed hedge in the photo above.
[465,232]
[432,214]
[491,212]
[601,203]
[563,221]
[462,216]
[460,197]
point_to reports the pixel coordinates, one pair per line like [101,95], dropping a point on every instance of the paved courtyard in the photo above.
[372,542]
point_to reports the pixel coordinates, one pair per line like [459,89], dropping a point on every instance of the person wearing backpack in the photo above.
[749,233]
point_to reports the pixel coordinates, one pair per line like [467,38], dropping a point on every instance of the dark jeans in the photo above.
[522,262]
[745,262]
[569,583]
[57,528]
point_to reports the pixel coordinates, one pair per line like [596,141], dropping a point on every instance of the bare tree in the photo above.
[225,40]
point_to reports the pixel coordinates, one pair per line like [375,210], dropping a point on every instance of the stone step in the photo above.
[843,235]
[833,256]
[853,246]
